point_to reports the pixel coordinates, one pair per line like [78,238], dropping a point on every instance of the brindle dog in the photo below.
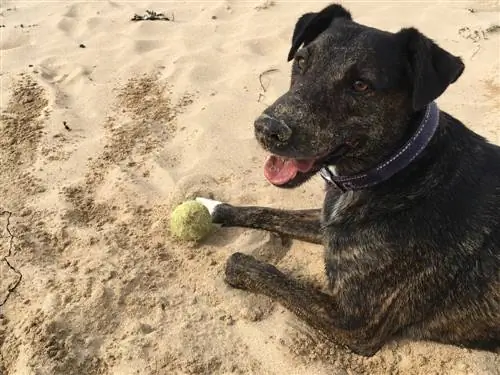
[414,252]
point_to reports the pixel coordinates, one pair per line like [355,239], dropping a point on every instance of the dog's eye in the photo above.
[301,63]
[360,86]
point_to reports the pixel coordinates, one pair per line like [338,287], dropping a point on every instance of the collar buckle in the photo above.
[329,178]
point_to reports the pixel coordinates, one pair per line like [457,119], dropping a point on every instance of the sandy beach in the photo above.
[107,123]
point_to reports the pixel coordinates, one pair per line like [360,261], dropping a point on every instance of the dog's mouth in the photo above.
[279,170]
[283,171]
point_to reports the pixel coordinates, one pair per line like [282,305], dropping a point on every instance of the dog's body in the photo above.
[414,255]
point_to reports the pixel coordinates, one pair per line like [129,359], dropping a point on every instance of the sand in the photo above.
[107,123]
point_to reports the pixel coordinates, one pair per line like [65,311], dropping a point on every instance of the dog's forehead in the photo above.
[377,54]
[356,37]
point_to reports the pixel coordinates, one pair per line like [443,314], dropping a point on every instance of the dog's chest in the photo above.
[343,253]
[337,206]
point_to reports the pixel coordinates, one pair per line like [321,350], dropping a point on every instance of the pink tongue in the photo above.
[279,171]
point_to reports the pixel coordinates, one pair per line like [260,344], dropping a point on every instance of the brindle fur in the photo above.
[415,256]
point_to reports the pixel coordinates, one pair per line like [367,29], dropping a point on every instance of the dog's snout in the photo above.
[272,128]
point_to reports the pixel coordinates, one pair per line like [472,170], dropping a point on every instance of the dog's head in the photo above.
[354,90]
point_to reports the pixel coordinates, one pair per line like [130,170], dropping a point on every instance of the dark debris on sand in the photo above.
[151,15]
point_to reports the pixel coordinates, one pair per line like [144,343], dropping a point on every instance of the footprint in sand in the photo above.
[206,72]
[75,23]
[15,38]
[264,46]
[67,25]
[144,46]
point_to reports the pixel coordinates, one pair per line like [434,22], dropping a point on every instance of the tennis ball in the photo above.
[190,221]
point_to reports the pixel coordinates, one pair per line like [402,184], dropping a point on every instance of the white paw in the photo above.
[210,204]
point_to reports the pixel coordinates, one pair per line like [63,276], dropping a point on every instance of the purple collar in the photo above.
[400,160]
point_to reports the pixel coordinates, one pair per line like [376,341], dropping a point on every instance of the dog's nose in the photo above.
[272,128]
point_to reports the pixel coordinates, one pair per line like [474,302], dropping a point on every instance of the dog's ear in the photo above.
[432,69]
[310,25]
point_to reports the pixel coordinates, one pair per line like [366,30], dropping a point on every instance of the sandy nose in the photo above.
[272,128]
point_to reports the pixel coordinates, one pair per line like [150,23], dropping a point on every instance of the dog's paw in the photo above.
[236,267]
[245,272]
[223,214]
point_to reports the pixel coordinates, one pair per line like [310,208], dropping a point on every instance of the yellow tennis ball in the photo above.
[190,221]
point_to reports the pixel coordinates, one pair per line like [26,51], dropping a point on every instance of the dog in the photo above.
[411,217]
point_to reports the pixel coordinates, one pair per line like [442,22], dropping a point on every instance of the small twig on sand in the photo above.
[478,47]
[263,74]
[493,29]
[12,287]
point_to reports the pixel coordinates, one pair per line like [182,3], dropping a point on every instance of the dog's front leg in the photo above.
[317,309]
[299,224]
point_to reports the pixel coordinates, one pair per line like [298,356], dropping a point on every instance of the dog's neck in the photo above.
[395,163]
